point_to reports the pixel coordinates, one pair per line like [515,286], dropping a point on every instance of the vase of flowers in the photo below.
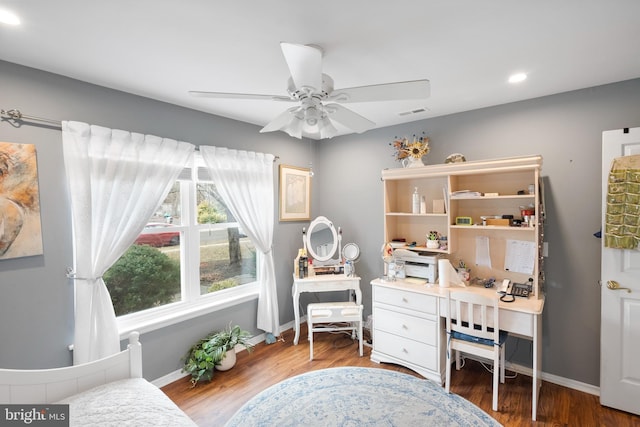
[411,152]
[412,162]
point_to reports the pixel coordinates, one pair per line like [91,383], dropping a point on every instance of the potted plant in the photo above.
[215,351]
[433,240]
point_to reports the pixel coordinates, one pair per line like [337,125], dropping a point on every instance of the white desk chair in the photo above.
[319,315]
[475,329]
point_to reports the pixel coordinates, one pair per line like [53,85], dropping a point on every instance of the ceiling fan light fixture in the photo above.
[294,127]
[311,116]
[327,129]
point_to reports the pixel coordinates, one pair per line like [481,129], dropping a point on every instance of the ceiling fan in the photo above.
[318,102]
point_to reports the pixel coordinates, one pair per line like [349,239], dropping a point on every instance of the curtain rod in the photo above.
[15,114]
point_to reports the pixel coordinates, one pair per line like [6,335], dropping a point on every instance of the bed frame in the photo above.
[51,385]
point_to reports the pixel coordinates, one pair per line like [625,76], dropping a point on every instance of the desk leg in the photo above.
[296,313]
[537,365]
[358,302]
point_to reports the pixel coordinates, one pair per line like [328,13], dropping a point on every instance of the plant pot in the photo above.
[433,244]
[228,361]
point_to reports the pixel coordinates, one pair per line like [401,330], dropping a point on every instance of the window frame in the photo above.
[192,303]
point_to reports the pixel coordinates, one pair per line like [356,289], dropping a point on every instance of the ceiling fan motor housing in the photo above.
[306,92]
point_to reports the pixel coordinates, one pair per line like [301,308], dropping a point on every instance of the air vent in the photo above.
[415,111]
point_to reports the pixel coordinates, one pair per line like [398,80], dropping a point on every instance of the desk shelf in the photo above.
[494,228]
[530,197]
[435,215]
[504,177]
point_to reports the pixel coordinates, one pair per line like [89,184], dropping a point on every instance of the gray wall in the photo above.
[36,321]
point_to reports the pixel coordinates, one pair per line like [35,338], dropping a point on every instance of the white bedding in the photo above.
[130,402]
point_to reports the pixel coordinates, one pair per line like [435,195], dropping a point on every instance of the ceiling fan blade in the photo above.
[305,64]
[416,89]
[281,121]
[348,118]
[253,96]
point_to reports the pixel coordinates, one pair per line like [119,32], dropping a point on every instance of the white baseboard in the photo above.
[169,378]
[554,379]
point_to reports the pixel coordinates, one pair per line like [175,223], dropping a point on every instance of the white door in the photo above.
[620,308]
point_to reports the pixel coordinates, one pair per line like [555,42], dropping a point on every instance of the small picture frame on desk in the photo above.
[295,193]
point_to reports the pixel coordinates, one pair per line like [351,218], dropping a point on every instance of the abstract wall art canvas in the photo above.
[20,226]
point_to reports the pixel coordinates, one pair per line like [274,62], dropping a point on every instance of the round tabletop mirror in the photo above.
[322,239]
[351,252]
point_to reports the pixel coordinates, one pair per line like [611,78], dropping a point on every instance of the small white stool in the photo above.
[334,312]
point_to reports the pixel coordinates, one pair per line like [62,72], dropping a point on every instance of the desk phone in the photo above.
[521,290]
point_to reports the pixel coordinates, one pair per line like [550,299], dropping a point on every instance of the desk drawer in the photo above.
[415,328]
[401,298]
[405,349]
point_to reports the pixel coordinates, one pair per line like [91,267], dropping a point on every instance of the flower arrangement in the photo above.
[417,148]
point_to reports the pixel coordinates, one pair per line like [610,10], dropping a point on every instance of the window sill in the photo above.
[153,319]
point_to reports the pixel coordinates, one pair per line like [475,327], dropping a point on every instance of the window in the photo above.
[227,256]
[192,254]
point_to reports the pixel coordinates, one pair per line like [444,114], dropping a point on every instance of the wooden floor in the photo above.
[212,404]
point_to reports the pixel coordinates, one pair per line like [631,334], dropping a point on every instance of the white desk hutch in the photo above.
[408,328]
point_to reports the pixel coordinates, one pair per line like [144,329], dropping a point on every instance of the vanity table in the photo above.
[321,283]
[322,242]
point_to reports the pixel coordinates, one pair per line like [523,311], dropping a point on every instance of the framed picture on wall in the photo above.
[295,193]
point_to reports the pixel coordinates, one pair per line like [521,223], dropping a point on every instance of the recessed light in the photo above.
[9,18]
[517,78]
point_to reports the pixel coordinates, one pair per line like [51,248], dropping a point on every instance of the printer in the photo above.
[420,264]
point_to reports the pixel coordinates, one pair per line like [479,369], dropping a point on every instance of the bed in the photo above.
[109,391]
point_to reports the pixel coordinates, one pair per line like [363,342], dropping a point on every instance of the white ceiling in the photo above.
[467,48]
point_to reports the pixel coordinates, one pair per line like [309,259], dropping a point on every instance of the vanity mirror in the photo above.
[323,241]
[351,252]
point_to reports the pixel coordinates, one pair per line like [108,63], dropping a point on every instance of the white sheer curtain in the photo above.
[116,180]
[245,182]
